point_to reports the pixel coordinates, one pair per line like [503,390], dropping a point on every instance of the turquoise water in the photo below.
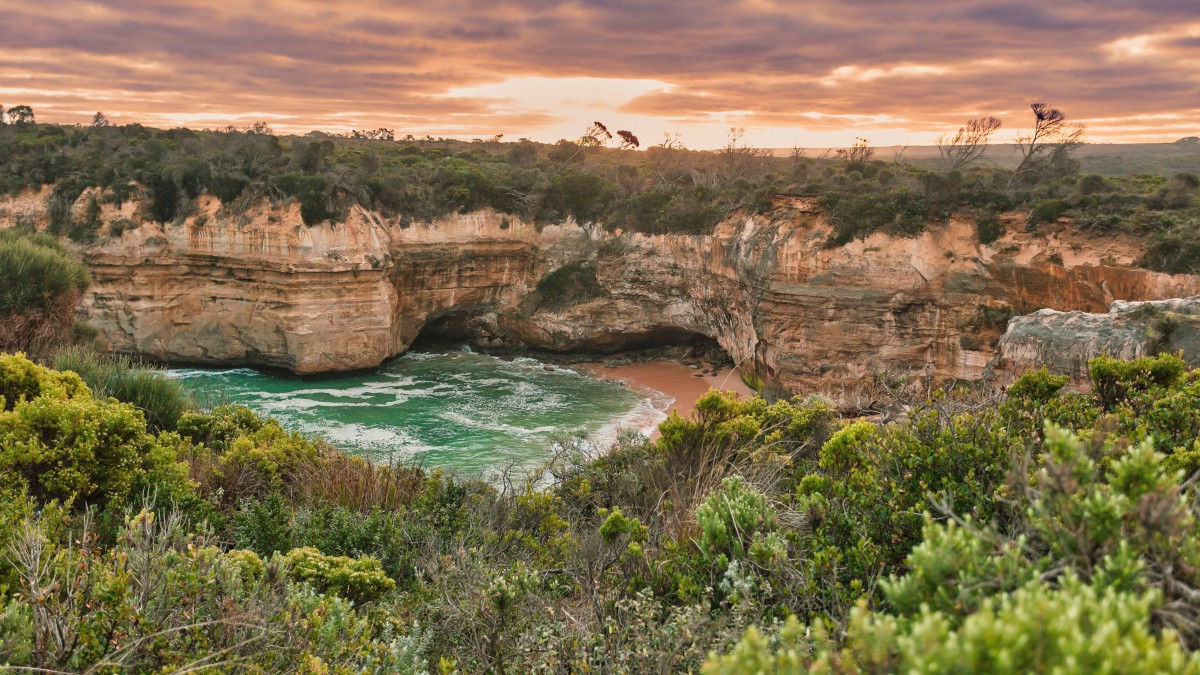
[471,413]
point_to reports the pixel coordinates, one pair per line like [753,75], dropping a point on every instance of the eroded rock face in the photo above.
[1064,342]
[261,288]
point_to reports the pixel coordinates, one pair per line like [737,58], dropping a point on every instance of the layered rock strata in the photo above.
[260,288]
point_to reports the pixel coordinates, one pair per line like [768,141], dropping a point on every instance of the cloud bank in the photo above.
[810,73]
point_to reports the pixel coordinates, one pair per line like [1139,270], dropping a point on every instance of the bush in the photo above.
[570,284]
[40,285]
[163,599]
[82,449]
[988,228]
[23,380]
[737,523]
[975,599]
[583,196]
[1113,379]
[1047,211]
[966,535]
[862,210]
[358,579]
[162,399]
[1037,386]
[841,453]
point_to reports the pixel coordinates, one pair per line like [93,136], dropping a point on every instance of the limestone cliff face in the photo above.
[1064,342]
[260,288]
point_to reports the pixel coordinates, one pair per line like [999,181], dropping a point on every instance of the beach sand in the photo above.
[685,385]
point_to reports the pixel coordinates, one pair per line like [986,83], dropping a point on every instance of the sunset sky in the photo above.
[814,73]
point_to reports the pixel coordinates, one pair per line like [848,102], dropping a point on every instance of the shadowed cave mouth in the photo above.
[454,330]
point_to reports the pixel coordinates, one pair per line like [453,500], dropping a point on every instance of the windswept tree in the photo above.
[1048,145]
[100,120]
[21,114]
[261,128]
[861,151]
[595,136]
[967,146]
[380,134]
[739,158]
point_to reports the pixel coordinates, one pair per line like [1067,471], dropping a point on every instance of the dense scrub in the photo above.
[668,190]
[40,286]
[1038,531]
[665,189]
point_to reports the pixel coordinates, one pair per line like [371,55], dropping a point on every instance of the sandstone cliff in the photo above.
[261,288]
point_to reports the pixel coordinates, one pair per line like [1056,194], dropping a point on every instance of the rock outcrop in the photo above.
[1064,342]
[261,288]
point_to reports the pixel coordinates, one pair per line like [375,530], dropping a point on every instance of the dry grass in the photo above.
[38,333]
[336,479]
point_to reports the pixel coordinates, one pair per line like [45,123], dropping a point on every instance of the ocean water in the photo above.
[469,413]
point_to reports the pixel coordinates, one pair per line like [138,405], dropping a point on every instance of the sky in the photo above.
[813,73]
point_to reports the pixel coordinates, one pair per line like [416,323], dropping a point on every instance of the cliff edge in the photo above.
[260,288]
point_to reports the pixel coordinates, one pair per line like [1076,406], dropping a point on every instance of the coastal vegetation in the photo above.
[599,178]
[40,285]
[1038,528]
[749,537]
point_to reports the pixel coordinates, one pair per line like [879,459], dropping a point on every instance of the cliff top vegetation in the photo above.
[600,177]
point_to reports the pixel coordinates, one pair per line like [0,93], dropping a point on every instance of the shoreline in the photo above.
[681,383]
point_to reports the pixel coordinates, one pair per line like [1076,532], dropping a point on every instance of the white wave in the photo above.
[491,423]
[644,417]
[191,373]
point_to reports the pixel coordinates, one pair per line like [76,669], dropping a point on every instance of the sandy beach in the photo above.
[685,385]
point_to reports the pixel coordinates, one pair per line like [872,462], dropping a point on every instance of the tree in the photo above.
[100,120]
[738,157]
[380,134]
[595,136]
[861,151]
[21,114]
[564,152]
[1049,144]
[968,145]
[628,140]
[260,127]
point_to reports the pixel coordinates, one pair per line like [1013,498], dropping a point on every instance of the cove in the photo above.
[468,413]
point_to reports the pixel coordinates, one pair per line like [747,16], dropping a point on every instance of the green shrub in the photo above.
[1047,211]
[35,271]
[1094,631]
[162,399]
[842,452]
[164,599]
[737,523]
[83,449]
[1114,379]
[40,286]
[313,194]
[988,228]
[583,196]
[24,380]
[570,284]
[218,428]
[358,579]
[1037,386]
[859,211]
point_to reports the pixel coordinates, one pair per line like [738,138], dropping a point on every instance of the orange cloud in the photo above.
[791,72]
